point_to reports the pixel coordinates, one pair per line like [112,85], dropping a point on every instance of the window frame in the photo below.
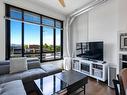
[8,32]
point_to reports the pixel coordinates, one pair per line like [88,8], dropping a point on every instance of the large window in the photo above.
[33,35]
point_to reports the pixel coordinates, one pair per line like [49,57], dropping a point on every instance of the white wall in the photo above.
[26,5]
[79,31]
[122,15]
[105,23]
[2,31]
[122,9]
[103,26]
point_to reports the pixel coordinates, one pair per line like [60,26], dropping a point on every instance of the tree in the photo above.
[25,46]
[58,48]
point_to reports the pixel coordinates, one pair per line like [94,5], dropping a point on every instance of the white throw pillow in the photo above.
[18,64]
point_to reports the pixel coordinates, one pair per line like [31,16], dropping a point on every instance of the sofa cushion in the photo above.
[10,77]
[4,67]
[18,64]
[5,62]
[12,88]
[33,64]
[26,76]
[33,74]
[51,69]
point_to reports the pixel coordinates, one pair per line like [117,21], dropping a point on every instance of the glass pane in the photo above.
[48,48]
[31,40]
[15,13]
[47,21]
[58,24]
[31,17]
[16,35]
[58,43]
[50,85]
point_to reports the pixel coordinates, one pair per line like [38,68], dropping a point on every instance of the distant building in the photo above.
[16,49]
[33,49]
[34,46]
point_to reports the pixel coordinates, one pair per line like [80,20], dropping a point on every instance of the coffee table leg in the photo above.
[54,79]
[84,89]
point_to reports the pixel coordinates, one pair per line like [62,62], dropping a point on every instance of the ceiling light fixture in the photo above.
[62,2]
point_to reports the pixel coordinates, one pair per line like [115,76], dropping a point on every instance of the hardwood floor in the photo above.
[94,88]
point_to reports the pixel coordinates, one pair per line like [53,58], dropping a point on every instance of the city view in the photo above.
[34,51]
[32,41]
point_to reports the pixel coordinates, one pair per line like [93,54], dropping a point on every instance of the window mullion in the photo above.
[22,34]
[54,39]
[8,33]
[41,40]
[62,41]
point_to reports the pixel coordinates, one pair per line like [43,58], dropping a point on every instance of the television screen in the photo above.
[90,50]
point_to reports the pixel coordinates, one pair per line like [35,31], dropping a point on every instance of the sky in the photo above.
[31,32]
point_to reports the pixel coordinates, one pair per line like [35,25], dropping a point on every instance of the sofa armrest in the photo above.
[12,88]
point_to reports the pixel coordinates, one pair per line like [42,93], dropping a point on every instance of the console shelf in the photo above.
[93,69]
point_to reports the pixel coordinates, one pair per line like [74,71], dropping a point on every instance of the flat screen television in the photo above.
[90,50]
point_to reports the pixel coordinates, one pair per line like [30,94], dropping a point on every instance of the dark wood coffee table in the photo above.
[68,81]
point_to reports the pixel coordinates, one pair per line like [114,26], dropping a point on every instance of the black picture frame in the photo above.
[123,41]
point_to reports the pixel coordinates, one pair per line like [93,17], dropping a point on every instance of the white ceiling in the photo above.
[71,5]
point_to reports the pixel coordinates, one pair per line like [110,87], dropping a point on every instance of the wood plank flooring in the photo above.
[94,88]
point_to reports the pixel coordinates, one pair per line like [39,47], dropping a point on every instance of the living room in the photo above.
[50,36]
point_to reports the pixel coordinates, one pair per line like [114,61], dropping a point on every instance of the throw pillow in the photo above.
[33,63]
[18,64]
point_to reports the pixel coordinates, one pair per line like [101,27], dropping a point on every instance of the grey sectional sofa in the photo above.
[35,71]
[12,88]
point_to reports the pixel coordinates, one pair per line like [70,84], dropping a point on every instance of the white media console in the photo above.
[95,69]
